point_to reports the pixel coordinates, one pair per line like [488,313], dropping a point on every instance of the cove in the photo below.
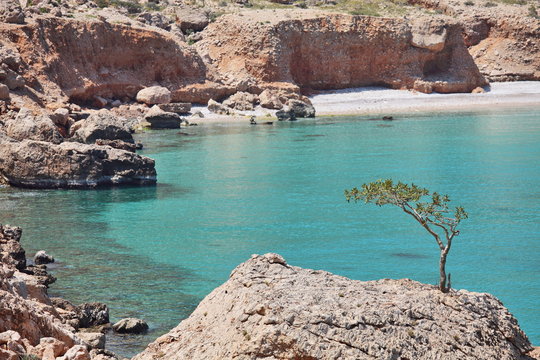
[227,191]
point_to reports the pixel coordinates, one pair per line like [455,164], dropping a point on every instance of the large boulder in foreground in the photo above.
[39,164]
[270,310]
[102,125]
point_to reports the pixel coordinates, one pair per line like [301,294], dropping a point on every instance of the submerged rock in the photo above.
[38,164]
[271,310]
[130,326]
[42,257]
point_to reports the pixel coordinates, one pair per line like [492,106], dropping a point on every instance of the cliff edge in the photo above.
[269,309]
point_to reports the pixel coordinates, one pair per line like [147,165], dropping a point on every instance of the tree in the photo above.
[434,216]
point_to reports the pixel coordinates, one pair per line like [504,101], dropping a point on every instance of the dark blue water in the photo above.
[226,192]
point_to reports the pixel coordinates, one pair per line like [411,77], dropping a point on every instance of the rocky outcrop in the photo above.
[159,119]
[26,125]
[11,252]
[331,51]
[271,310]
[101,125]
[38,164]
[130,326]
[154,95]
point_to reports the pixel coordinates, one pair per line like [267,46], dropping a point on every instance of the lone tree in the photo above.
[434,215]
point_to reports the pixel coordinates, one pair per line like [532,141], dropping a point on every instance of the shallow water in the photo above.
[226,192]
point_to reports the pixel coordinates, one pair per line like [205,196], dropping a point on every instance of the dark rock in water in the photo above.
[130,326]
[11,251]
[160,119]
[92,314]
[102,125]
[42,257]
[388,118]
[38,164]
[40,274]
[285,114]
[178,108]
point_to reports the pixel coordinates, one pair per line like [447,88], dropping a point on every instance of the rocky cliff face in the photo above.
[271,310]
[330,51]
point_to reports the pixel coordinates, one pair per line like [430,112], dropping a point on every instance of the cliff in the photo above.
[271,310]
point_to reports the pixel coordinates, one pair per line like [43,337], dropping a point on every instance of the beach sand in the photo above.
[382,101]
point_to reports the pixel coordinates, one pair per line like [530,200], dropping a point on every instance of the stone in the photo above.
[130,326]
[241,101]
[77,352]
[13,80]
[41,257]
[118,144]
[269,309]
[425,87]
[92,314]
[430,35]
[26,125]
[191,19]
[154,95]
[96,340]
[478,90]
[176,107]
[60,117]
[100,102]
[11,12]
[4,92]
[155,19]
[10,335]
[218,108]
[49,348]
[160,119]
[301,109]
[100,125]
[270,99]
[286,114]
[38,164]
[11,251]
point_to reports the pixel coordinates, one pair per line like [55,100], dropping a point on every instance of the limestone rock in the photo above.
[11,251]
[117,144]
[60,117]
[38,164]
[102,125]
[176,107]
[270,310]
[241,101]
[77,352]
[154,95]
[92,314]
[301,109]
[430,35]
[11,12]
[4,92]
[26,125]
[191,19]
[270,99]
[286,114]
[41,257]
[160,119]
[130,326]
[218,108]
[95,340]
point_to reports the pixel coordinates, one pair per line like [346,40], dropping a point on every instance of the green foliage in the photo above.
[44,10]
[131,6]
[434,215]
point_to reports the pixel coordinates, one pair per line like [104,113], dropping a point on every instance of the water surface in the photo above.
[228,191]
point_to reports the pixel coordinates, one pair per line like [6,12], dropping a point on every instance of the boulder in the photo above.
[38,164]
[60,117]
[92,314]
[11,251]
[301,109]
[286,114]
[26,125]
[270,99]
[160,119]
[4,92]
[49,348]
[130,326]
[77,352]
[42,257]
[430,35]
[11,12]
[177,107]
[117,144]
[241,101]
[96,340]
[191,19]
[13,80]
[100,125]
[218,108]
[154,95]
[271,310]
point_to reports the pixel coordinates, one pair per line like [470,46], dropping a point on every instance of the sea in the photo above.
[227,191]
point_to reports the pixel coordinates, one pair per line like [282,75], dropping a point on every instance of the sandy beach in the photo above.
[383,101]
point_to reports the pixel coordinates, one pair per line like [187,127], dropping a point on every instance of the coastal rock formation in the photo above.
[11,251]
[102,125]
[41,258]
[271,310]
[332,51]
[26,125]
[154,95]
[38,164]
[130,326]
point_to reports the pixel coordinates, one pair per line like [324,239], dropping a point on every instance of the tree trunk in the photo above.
[442,270]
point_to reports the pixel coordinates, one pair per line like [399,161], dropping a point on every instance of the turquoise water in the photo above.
[226,192]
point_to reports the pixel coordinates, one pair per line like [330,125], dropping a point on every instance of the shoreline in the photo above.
[365,101]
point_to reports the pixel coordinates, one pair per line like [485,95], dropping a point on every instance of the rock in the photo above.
[191,19]
[26,125]
[95,340]
[42,257]
[11,12]
[155,19]
[130,326]
[177,107]
[478,90]
[430,35]
[99,102]
[4,92]
[92,314]
[423,86]
[241,101]
[301,109]
[101,354]
[271,310]
[286,114]
[77,352]
[160,119]
[117,144]
[101,125]
[49,348]
[218,108]
[270,99]
[38,164]
[154,95]
[60,117]
[13,80]
[11,251]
